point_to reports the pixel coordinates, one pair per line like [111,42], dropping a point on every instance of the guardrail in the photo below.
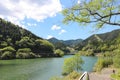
[84,76]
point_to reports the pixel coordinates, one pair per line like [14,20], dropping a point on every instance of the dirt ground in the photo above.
[104,75]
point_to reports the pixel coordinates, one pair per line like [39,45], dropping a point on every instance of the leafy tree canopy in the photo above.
[59,52]
[99,12]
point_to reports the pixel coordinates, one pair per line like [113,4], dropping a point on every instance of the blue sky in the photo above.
[43,18]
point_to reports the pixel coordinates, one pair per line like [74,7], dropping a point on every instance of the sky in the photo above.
[44,19]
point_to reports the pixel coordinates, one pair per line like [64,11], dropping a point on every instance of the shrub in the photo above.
[59,52]
[116,61]
[8,55]
[102,63]
[25,53]
[9,48]
[87,53]
[72,64]
[72,76]
[24,50]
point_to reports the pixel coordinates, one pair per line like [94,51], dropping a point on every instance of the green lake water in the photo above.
[38,69]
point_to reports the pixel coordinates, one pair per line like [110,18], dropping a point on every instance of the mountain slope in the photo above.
[13,37]
[100,40]
[105,36]
[109,36]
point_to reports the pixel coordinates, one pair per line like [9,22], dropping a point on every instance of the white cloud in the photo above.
[31,24]
[49,36]
[17,10]
[62,31]
[55,27]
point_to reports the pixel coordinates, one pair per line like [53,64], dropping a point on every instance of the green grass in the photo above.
[116,76]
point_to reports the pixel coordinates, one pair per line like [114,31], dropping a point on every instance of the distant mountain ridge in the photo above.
[66,42]
[108,36]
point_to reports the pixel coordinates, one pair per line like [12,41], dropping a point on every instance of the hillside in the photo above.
[59,45]
[65,45]
[14,41]
[98,43]
[104,37]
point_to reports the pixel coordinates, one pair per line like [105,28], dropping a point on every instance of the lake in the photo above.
[38,69]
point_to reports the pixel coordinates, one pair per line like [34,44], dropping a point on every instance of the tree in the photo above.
[99,12]
[25,53]
[7,53]
[59,52]
[72,64]
[44,46]
[25,42]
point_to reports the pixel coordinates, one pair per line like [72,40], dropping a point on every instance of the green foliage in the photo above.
[25,53]
[3,44]
[8,55]
[59,52]
[99,12]
[116,60]
[56,78]
[72,76]
[9,48]
[116,76]
[87,53]
[24,50]
[29,55]
[72,64]
[99,65]
[25,42]
[102,63]
[46,46]
[13,37]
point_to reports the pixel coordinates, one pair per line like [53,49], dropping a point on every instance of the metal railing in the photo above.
[84,76]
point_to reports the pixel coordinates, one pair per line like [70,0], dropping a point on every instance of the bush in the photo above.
[9,48]
[102,63]
[87,53]
[8,55]
[116,61]
[72,64]
[72,76]
[59,52]
[25,53]
[24,50]
[44,45]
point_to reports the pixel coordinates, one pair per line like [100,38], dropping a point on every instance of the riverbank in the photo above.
[105,74]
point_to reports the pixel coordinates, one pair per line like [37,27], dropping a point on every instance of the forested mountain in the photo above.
[59,44]
[65,42]
[98,43]
[104,37]
[16,42]
[65,45]
[72,42]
